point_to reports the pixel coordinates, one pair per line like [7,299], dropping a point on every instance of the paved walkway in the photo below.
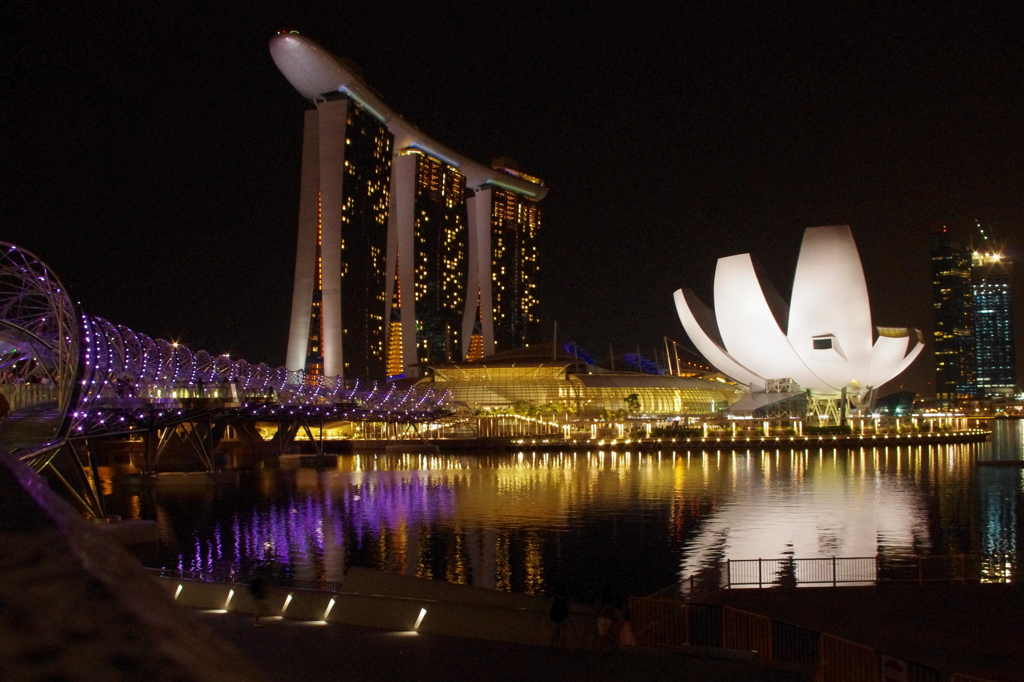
[968,628]
[308,652]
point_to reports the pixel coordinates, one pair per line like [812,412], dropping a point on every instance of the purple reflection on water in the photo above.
[388,501]
[292,532]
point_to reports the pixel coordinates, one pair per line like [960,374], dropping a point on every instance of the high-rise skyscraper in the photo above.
[953,329]
[994,351]
[409,253]
[431,259]
[974,326]
[343,213]
[515,220]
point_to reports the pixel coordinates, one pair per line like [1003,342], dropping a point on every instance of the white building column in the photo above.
[478,209]
[402,253]
[333,117]
[305,257]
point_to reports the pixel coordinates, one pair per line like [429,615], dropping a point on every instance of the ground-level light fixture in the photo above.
[330,605]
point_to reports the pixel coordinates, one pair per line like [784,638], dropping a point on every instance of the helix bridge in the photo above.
[67,377]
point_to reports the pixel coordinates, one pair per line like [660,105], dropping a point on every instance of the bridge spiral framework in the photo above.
[66,375]
[119,362]
[39,340]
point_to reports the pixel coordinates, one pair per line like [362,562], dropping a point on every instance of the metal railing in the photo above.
[675,617]
[795,644]
[792,572]
[835,571]
[849,661]
[19,396]
[746,631]
[663,622]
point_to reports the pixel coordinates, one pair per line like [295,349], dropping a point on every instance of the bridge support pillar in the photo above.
[318,443]
[285,435]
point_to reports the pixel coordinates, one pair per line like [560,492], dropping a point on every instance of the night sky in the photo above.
[151,151]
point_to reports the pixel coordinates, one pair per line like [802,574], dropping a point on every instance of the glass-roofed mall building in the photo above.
[409,254]
[556,382]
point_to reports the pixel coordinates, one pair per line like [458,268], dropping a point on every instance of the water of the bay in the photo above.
[630,521]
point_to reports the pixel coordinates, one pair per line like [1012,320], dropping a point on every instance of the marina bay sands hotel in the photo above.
[408,253]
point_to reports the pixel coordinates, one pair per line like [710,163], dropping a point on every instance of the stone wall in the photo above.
[74,605]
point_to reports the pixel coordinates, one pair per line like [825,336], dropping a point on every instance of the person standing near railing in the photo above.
[259,593]
[559,612]
[258,590]
[609,620]
[626,637]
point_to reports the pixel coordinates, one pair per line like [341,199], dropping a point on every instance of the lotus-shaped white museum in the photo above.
[828,343]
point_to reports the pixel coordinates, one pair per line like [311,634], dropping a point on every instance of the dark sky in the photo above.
[151,150]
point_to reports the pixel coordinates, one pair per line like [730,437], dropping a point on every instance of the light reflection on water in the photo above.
[635,521]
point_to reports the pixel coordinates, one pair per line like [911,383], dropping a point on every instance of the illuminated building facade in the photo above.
[343,210]
[515,221]
[994,351]
[564,384]
[953,333]
[975,354]
[431,249]
[409,253]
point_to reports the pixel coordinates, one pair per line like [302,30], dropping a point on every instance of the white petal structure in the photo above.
[828,343]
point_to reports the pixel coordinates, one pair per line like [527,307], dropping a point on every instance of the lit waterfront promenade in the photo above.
[958,638]
[725,441]
[772,442]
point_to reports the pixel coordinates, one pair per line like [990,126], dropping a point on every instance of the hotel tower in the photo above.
[409,253]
